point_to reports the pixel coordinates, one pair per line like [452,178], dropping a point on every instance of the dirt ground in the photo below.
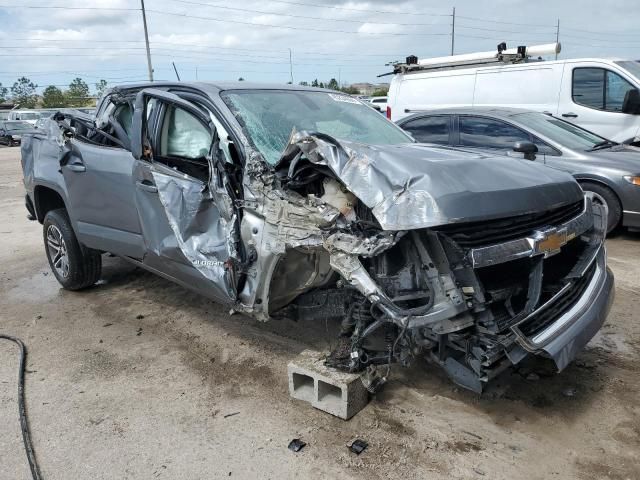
[135,377]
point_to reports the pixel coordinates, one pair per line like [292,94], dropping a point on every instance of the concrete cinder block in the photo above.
[338,393]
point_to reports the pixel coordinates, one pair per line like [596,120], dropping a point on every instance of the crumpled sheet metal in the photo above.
[406,188]
[202,234]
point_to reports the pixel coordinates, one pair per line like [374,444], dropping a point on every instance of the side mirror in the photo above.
[631,103]
[527,148]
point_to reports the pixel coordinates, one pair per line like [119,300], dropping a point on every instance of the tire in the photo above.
[604,195]
[78,267]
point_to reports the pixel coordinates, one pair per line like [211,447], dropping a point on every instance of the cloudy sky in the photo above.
[349,40]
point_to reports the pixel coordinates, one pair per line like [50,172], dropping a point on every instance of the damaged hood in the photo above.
[411,186]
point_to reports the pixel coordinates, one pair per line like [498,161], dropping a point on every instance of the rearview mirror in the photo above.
[527,148]
[631,103]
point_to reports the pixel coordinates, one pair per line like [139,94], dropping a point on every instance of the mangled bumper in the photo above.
[575,327]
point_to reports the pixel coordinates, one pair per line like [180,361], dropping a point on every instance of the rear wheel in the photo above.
[74,266]
[605,196]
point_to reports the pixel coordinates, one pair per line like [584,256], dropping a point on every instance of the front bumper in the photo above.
[576,326]
[631,219]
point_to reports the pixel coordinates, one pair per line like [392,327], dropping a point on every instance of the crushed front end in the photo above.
[474,296]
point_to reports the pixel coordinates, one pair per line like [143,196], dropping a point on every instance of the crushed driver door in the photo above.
[189,225]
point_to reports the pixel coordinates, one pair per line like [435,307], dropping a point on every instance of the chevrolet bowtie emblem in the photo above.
[550,242]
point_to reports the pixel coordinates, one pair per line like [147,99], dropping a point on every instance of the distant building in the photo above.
[369,88]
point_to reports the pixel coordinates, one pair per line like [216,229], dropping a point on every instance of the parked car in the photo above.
[29,116]
[11,132]
[601,95]
[609,171]
[286,201]
[379,103]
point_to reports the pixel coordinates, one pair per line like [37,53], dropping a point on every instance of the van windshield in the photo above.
[564,133]
[631,66]
[269,116]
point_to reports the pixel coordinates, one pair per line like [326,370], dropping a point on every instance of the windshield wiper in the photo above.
[603,144]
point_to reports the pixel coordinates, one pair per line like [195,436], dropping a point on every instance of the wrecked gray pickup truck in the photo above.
[304,204]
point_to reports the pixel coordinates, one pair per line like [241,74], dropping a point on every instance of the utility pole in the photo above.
[175,70]
[146,39]
[557,35]
[291,66]
[453,30]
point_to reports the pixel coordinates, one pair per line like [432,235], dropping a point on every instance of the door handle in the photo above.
[77,167]
[570,115]
[147,186]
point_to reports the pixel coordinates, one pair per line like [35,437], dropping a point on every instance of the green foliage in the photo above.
[333,84]
[78,93]
[304,84]
[315,83]
[382,92]
[24,93]
[3,93]
[241,79]
[101,86]
[53,97]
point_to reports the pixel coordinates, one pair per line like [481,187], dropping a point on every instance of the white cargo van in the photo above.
[601,95]
[29,116]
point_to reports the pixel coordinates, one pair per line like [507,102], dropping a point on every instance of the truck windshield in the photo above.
[631,66]
[269,116]
[564,133]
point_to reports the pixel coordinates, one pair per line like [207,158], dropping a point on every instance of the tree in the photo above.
[24,93]
[53,97]
[78,93]
[241,79]
[101,86]
[321,85]
[381,92]
[3,93]
[304,84]
[315,83]
[333,84]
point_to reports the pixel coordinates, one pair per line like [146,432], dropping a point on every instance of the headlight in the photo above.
[15,137]
[634,179]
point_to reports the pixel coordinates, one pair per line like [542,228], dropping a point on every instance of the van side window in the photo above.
[489,133]
[184,143]
[599,88]
[429,129]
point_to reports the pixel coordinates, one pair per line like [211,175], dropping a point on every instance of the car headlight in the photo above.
[15,137]
[634,179]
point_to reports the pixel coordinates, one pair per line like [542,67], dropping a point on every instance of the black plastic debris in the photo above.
[358,446]
[296,445]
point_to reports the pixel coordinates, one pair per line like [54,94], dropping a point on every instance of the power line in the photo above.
[304,16]
[289,27]
[64,7]
[505,23]
[362,10]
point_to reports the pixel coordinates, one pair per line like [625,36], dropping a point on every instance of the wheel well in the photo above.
[46,199]
[602,184]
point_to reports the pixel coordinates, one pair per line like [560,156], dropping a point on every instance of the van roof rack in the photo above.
[502,55]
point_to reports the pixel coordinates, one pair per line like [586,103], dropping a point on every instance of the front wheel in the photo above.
[605,196]
[74,266]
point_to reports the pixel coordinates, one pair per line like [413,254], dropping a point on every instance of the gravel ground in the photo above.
[134,378]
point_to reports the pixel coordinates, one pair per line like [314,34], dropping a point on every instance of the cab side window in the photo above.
[489,133]
[599,88]
[184,143]
[429,129]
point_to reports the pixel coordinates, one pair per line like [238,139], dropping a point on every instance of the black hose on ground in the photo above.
[24,424]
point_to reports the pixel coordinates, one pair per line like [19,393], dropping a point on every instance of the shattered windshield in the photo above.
[269,116]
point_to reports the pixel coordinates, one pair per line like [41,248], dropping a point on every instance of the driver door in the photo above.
[190,235]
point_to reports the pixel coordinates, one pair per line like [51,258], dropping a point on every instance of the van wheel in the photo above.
[74,266]
[605,196]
